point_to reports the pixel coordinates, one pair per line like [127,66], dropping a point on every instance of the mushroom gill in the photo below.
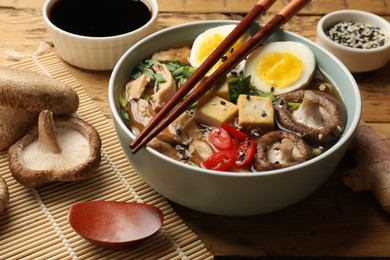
[280,149]
[61,150]
[319,119]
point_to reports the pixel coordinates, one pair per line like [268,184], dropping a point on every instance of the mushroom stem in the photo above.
[308,112]
[286,149]
[47,132]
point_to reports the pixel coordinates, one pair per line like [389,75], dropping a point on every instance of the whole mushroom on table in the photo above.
[57,150]
[4,195]
[24,95]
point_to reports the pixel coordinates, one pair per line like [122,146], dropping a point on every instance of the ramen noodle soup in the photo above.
[274,110]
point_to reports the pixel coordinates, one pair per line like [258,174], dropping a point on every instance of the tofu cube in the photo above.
[221,89]
[255,111]
[215,111]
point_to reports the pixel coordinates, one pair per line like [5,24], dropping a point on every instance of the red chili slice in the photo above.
[235,132]
[221,161]
[246,151]
[221,139]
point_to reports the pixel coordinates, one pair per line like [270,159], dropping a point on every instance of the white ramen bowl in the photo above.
[230,193]
[96,53]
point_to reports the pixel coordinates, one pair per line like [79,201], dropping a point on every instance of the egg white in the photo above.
[299,50]
[210,34]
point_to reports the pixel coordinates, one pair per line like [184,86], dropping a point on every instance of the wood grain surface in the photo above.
[333,222]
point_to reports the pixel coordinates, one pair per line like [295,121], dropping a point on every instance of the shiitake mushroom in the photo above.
[319,119]
[65,149]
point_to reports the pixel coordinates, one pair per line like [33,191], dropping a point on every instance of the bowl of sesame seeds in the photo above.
[361,40]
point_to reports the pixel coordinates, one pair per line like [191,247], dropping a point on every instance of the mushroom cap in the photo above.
[14,123]
[28,90]
[267,142]
[4,195]
[35,176]
[333,116]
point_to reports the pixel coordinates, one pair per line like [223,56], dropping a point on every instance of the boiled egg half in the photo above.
[208,41]
[280,67]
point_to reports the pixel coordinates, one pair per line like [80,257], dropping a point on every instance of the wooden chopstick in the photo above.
[176,106]
[258,9]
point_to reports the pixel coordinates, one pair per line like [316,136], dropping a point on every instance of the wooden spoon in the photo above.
[115,225]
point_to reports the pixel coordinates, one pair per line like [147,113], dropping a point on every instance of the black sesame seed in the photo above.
[178,131]
[248,97]
[231,50]
[224,58]
[241,157]
[272,89]
[222,102]
[264,114]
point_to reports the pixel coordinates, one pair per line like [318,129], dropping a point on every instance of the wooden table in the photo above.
[333,222]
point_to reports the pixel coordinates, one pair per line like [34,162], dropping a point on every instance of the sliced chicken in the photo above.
[164,148]
[182,130]
[174,54]
[141,112]
[135,88]
[200,150]
[166,90]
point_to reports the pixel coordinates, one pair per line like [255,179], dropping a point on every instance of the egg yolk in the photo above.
[210,43]
[279,69]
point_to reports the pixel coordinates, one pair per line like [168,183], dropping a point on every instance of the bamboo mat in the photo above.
[35,225]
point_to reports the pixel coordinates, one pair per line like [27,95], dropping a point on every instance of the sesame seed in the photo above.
[224,58]
[357,35]
[222,102]
[322,87]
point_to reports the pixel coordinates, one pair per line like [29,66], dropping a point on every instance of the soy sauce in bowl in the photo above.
[99,18]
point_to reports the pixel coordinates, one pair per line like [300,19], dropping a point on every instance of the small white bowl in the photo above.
[96,53]
[356,60]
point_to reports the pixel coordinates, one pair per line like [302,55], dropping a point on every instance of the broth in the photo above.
[173,141]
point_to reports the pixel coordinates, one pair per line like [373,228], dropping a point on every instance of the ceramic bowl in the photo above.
[96,53]
[229,193]
[356,60]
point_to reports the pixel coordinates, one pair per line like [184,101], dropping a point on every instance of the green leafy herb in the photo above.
[179,71]
[125,116]
[269,95]
[242,86]
[123,101]
[293,104]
